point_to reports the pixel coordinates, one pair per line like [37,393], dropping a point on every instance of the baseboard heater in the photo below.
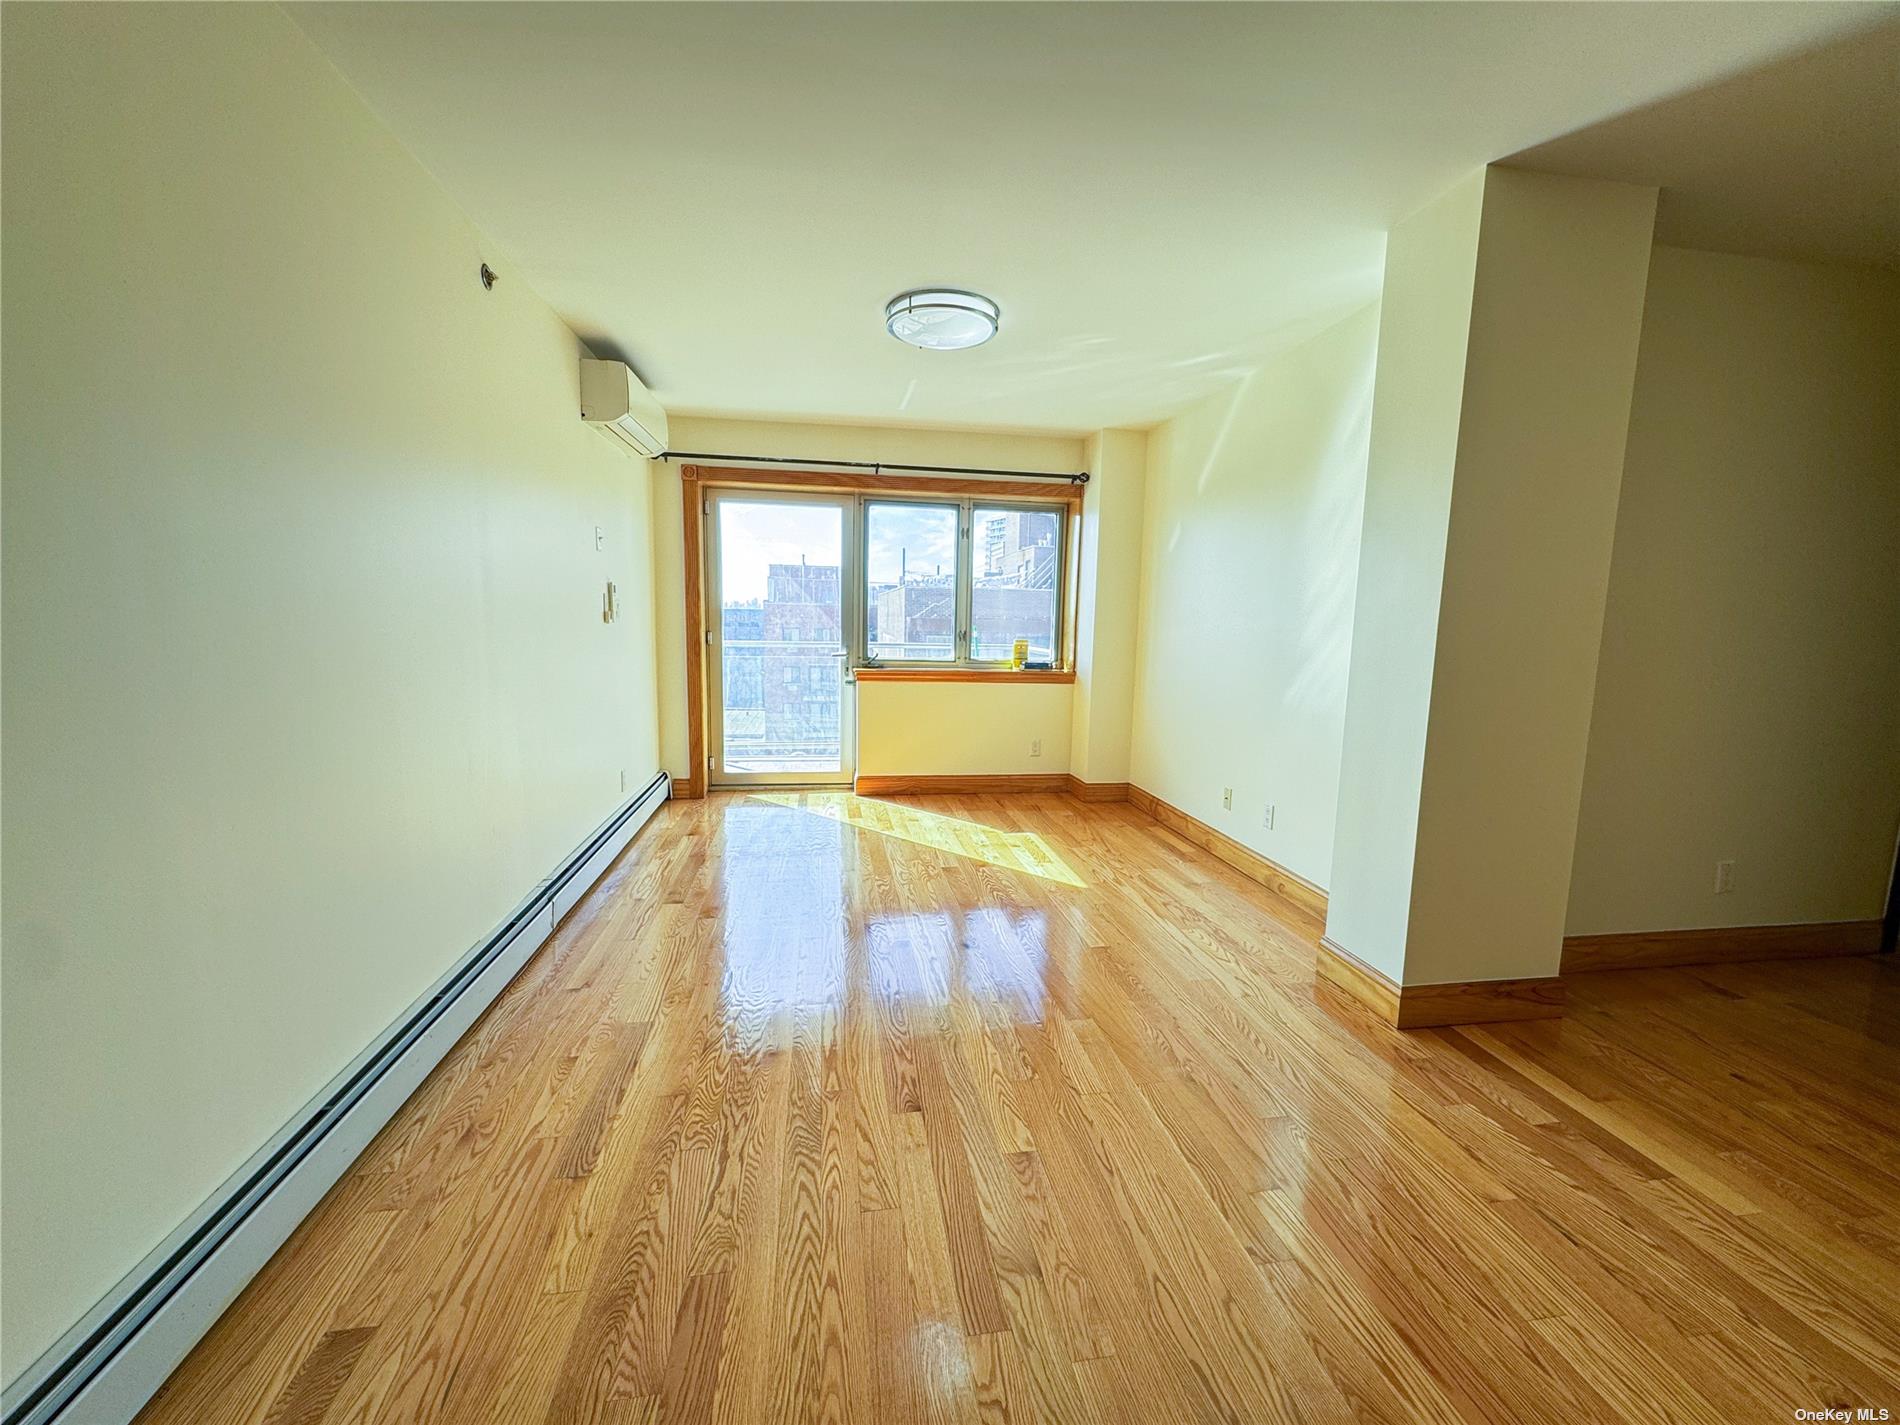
[105,1368]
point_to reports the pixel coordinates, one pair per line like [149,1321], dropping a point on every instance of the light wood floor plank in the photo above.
[949,1110]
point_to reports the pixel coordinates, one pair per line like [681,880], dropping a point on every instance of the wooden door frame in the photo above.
[1890,922]
[694,481]
[692,528]
[844,507]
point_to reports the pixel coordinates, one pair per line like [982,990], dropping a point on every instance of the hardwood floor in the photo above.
[1020,1109]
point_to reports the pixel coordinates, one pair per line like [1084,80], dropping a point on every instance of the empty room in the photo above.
[949,713]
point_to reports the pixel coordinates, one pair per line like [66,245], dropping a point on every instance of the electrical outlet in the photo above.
[623,779]
[1724,877]
[1266,821]
[1035,747]
[1227,798]
[600,537]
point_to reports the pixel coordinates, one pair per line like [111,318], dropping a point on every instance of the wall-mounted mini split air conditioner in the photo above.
[614,402]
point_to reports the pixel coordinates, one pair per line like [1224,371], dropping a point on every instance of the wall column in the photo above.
[1108,599]
[1507,358]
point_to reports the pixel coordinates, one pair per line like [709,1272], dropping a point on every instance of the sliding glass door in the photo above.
[780,626]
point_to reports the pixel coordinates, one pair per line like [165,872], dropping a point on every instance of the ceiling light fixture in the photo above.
[941,318]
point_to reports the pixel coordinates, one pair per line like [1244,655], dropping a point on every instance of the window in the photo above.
[1016,589]
[910,581]
[961,582]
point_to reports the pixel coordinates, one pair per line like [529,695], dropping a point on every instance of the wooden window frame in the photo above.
[696,479]
[963,581]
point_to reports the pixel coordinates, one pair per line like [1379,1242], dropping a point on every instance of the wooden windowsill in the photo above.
[963,675]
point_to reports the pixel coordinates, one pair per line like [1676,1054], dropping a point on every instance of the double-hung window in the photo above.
[958,582]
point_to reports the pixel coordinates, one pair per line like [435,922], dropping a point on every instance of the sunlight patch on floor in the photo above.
[1007,850]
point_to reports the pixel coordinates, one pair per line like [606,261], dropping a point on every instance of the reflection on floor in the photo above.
[787,931]
[829,1110]
[962,836]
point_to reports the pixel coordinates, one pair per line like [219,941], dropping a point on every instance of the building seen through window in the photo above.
[1014,589]
[781,669]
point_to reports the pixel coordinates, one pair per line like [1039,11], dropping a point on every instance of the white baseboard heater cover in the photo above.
[106,1367]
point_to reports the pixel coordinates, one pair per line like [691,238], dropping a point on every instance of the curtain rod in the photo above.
[1077,477]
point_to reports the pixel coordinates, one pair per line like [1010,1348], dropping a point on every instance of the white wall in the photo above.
[805,440]
[962,729]
[305,678]
[1555,322]
[1424,325]
[1108,600]
[1251,544]
[1522,522]
[1748,692]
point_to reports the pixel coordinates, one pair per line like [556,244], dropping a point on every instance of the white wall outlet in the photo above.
[1724,877]
[1035,747]
[1266,821]
[623,779]
[1227,797]
[600,537]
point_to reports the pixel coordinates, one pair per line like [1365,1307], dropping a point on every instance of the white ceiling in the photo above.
[1800,158]
[1158,195]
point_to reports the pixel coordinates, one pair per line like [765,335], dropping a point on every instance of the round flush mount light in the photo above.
[941,318]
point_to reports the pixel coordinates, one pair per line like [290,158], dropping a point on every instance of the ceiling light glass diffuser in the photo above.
[941,318]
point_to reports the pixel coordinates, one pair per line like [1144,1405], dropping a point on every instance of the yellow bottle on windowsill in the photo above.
[1019,655]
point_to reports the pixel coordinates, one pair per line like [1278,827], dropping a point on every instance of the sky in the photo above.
[919,538]
[753,536]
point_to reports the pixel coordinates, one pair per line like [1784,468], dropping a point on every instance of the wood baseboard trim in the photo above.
[1295,890]
[987,785]
[1480,1002]
[920,786]
[683,789]
[1431,1006]
[1338,968]
[1648,950]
